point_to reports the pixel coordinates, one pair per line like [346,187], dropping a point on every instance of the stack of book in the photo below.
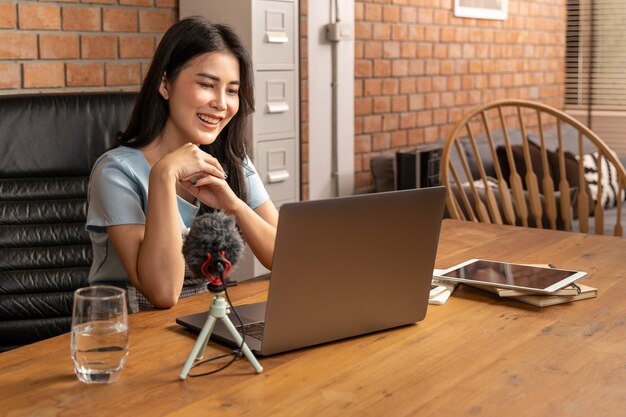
[573,292]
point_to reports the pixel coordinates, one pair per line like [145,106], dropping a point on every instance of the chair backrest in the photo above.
[49,144]
[524,163]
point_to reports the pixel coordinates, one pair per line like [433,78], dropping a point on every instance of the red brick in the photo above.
[382,105]
[372,87]
[99,1]
[358,88]
[417,67]
[407,85]
[58,46]
[15,45]
[8,18]
[391,49]
[359,12]
[440,116]
[407,120]
[372,124]
[399,104]
[433,67]
[39,16]
[399,33]
[120,73]
[424,84]
[358,125]
[362,143]
[120,20]
[373,49]
[82,74]
[136,2]
[408,50]
[391,122]
[156,20]
[174,4]
[390,86]
[382,68]
[440,51]
[416,136]
[359,50]
[416,102]
[44,74]
[362,106]
[362,31]
[391,14]
[408,15]
[431,101]
[81,18]
[432,134]
[381,141]
[400,68]
[373,13]
[439,83]
[98,46]
[381,32]
[10,76]
[454,83]
[425,16]
[399,139]
[363,68]
[136,46]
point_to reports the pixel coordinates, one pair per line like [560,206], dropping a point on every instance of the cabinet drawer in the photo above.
[276,164]
[275,115]
[274,40]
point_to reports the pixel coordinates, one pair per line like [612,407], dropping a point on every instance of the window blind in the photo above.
[596,55]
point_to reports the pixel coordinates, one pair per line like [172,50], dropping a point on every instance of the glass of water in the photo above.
[99,333]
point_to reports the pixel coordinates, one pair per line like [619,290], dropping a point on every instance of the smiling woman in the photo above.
[183,153]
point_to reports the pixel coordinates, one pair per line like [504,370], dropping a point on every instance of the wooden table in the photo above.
[475,356]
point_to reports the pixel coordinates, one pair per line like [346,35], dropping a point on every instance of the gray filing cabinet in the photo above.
[269,29]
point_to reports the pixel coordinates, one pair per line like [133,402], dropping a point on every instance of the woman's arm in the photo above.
[152,253]
[259,229]
[257,225]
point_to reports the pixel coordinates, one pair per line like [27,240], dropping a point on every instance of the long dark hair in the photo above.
[184,41]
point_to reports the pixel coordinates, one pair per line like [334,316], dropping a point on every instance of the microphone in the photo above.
[212,247]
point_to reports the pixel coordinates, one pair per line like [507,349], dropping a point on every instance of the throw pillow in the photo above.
[610,180]
[520,163]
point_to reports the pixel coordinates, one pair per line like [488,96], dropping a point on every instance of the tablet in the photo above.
[509,275]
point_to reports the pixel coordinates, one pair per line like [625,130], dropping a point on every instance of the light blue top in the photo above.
[118,194]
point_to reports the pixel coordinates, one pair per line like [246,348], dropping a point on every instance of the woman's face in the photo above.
[202,99]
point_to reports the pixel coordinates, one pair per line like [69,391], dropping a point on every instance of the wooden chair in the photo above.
[524,163]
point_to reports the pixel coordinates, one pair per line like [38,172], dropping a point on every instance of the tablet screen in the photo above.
[508,275]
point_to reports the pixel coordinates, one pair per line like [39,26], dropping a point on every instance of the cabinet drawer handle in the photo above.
[277,107]
[278,176]
[277,37]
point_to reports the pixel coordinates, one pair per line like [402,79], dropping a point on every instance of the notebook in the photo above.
[343,267]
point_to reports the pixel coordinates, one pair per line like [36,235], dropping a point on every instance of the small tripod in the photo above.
[219,310]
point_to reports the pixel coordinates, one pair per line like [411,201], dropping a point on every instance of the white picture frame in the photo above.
[482,9]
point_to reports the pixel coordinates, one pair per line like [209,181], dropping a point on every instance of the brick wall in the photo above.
[418,68]
[85,45]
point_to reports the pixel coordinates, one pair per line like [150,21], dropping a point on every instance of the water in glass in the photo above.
[99,350]
[99,333]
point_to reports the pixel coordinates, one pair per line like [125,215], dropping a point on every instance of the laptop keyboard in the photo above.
[254,330]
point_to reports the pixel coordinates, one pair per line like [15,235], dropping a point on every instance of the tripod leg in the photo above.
[246,350]
[199,347]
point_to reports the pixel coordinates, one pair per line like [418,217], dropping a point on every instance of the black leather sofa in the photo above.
[48,144]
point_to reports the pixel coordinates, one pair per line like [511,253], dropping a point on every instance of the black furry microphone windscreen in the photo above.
[212,233]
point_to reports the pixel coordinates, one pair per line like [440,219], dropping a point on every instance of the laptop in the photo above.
[342,267]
